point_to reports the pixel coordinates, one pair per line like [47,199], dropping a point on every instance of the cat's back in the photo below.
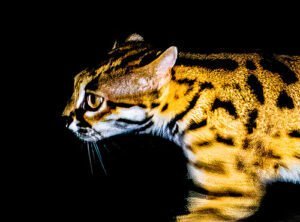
[260,74]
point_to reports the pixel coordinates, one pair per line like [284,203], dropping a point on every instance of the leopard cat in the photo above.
[235,115]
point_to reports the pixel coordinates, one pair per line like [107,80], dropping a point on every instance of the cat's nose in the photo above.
[67,120]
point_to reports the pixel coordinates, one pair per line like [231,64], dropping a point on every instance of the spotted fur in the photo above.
[236,116]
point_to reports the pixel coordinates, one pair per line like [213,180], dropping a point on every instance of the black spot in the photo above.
[142,105]
[250,65]
[237,86]
[252,121]
[256,164]
[189,90]
[295,133]
[256,88]
[224,140]
[203,143]
[213,167]
[153,105]
[173,75]
[270,154]
[183,113]
[246,144]
[297,156]
[123,105]
[212,64]
[284,101]
[189,82]
[206,85]
[227,105]
[195,125]
[165,107]
[240,165]
[276,166]
[270,63]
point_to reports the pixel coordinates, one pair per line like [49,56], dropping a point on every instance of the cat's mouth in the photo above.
[88,135]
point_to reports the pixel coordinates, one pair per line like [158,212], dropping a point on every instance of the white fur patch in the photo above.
[195,174]
[134,113]
[73,126]
[80,97]
[290,175]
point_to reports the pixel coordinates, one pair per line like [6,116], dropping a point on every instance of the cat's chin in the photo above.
[88,138]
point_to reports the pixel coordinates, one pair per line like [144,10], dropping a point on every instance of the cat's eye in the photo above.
[93,102]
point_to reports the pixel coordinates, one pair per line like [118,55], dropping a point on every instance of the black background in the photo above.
[146,176]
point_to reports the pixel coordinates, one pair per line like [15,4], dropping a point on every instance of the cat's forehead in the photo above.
[127,56]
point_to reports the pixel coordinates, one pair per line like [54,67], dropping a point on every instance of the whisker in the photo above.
[99,157]
[90,159]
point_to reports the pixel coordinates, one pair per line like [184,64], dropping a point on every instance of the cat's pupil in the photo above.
[93,99]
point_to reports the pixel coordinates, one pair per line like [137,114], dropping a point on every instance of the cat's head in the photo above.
[118,97]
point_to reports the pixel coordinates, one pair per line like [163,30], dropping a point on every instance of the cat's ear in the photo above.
[149,78]
[134,38]
[162,66]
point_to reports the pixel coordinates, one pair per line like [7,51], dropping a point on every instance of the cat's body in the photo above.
[237,117]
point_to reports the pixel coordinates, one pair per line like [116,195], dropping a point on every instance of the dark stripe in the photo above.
[175,130]
[284,101]
[203,144]
[118,53]
[295,133]
[127,59]
[179,116]
[189,82]
[246,144]
[153,105]
[221,193]
[195,125]
[250,65]
[124,105]
[93,84]
[224,140]
[130,58]
[212,64]
[214,213]
[270,154]
[164,107]
[124,49]
[128,121]
[214,167]
[270,63]
[79,113]
[149,57]
[206,85]
[227,105]
[297,156]
[147,125]
[252,116]
[256,87]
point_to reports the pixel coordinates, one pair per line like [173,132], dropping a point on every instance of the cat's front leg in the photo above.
[227,188]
